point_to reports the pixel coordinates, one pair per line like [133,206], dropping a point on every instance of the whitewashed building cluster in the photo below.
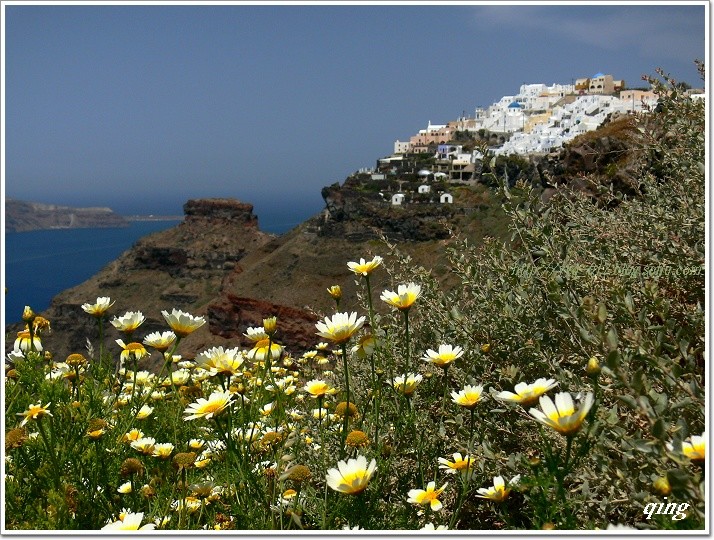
[539,118]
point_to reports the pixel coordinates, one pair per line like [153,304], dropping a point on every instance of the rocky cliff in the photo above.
[23,216]
[357,214]
[217,263]
[184,268]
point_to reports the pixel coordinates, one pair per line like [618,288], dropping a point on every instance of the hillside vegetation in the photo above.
[556,383]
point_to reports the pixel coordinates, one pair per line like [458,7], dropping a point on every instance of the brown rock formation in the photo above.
[231,315]
[185,268]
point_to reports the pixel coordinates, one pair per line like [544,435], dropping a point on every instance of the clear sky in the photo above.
[141,107]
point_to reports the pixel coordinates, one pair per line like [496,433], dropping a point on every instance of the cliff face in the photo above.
[23,216]
[217,263]
[358,215]
[605,155]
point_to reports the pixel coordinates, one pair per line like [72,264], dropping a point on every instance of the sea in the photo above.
[41,264]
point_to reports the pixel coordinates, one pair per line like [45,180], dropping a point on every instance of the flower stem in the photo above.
[347,399]
[407,364]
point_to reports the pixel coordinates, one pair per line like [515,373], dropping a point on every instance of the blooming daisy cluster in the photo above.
[192,442]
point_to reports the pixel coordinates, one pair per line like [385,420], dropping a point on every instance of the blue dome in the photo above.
[514,105]
[598,75]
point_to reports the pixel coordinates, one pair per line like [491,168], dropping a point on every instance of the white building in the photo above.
[402,147]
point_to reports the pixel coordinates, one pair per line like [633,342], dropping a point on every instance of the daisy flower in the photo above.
[408,388]
[527,394]
[351,477]
[133,349]
[462,464]
[35,412]
[695,448]
[319,388]
[444,356]
[222,361]
[404,298]
[100,307]
[364,268]
[24,344]
[468,397]
[129,522]
[208,408]
[429,496]
[561,415]
[182,323]
[160,341]
[499,491]
[128,322]
[340,327]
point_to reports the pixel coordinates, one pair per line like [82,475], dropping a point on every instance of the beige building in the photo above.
[637,99]
[433,134]
[599,84]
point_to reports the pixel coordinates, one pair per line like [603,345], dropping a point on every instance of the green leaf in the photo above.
[659,430]
[601,312]
[628,400]
[611,339]
[587,336]
[678,479]
[629,304]
[612,359]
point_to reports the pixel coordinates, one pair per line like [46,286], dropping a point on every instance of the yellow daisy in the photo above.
[133,349]
[351,477]
[404,298]
[340,327]
[208,408]
[499,491]
[695,448]
[468,397]
[444,356]
[408,388]
[363,267]
[182,323]
[527,394]
[561,415]
[318,388]
[463,465]
[429,496]
[35,412]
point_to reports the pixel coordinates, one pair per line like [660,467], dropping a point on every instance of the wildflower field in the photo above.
[559,384]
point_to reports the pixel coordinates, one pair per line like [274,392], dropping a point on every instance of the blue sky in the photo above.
[141,107]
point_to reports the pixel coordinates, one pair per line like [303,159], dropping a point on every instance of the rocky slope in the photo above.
[23,216]
[217,263]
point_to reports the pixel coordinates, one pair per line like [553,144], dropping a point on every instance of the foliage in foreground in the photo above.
[559,385]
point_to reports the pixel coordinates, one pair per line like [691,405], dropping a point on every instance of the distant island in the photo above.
[154,217]
[22,216]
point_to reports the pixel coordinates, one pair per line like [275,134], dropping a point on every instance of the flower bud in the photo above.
[335,292]
[27,314]
[661,486]
[485,348]
[593,367]
[270,325]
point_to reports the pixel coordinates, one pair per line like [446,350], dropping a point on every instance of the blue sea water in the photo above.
[41,264]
